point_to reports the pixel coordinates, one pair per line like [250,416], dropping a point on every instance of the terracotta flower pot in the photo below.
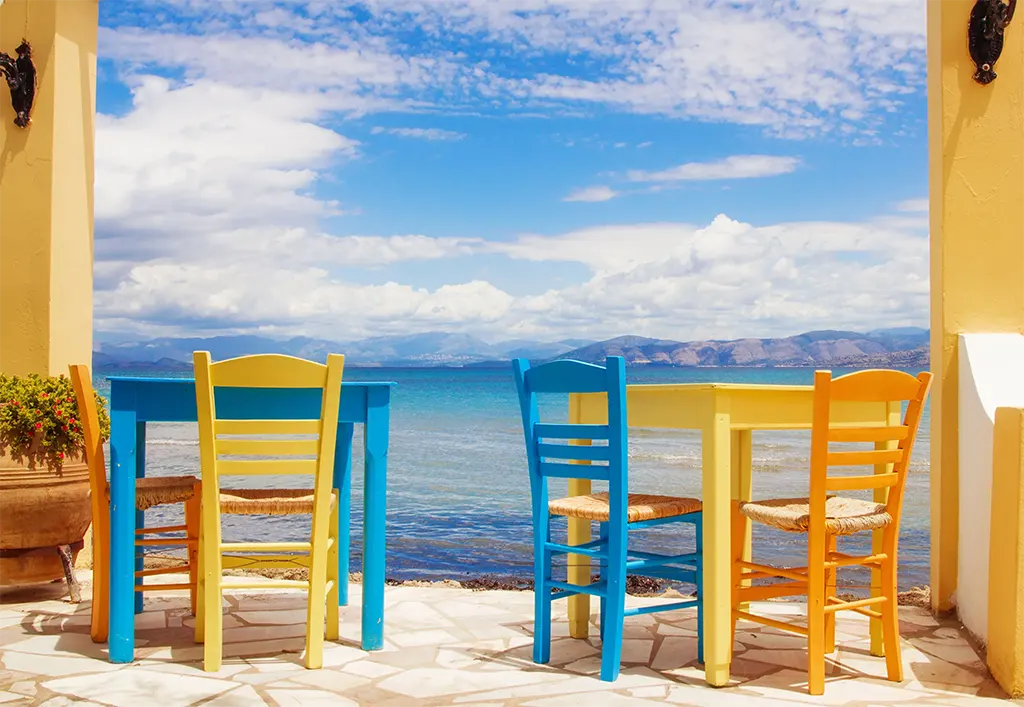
[40,508]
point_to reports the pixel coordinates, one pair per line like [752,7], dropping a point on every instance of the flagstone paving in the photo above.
[450,646]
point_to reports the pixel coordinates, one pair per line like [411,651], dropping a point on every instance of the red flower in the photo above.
[72,421]
[43,395]
[39,425]
[65,428]
[60,455]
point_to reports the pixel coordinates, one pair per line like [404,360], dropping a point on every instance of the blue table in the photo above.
[136,401]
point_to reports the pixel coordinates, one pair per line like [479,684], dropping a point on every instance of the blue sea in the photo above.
[458,491]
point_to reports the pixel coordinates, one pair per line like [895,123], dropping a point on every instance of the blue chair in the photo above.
[602,449]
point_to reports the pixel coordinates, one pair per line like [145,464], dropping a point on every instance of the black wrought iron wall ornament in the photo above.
[989,19]
[21,80]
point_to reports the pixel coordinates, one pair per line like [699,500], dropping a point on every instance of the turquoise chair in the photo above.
[605,459]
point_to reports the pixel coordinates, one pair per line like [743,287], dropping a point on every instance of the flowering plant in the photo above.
[39,420]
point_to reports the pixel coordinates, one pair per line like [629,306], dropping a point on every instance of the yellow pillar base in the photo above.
[1006,554]
[46,190]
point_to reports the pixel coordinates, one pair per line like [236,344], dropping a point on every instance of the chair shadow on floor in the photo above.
[165,632]
[672,657]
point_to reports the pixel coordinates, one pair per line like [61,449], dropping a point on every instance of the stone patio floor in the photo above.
[449,646]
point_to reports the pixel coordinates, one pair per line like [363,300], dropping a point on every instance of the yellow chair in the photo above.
[824,517]
[149,492]
[253,445]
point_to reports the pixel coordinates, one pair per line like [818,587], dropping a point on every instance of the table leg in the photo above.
[375,516]
[717,478]
[140,516]
[121,638]
[893,417]
[343,485]
[742,456]
[578,571]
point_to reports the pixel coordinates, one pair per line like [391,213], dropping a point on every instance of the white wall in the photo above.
[991,376]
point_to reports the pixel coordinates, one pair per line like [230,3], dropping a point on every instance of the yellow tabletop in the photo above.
[726,414]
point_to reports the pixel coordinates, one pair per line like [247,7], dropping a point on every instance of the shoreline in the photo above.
[635,585]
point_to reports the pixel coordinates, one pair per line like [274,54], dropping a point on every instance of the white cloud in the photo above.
[420,133]
[732,279]
[592,194]
[209,214]
[726,279]
[734,167]
[208,155]
[913,205]
[796,68]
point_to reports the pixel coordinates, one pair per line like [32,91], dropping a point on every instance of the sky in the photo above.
[510,169]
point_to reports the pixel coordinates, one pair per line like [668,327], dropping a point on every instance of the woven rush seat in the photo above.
[268,501]
[641,507]
[843,516]
[162,490]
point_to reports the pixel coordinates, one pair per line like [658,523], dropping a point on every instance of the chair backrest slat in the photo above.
[267,447]
[576,452]
[263,467]
[567,377]
[267,371]
[555,470]
[859,458]
[547,430]
[265,427]
[890,433]
[893,444]
[544,457]
[860,483]
[876,385]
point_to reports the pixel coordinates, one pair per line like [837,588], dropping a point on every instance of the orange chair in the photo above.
[824,517]
[150,492]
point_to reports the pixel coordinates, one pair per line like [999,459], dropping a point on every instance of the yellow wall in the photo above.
[1006,553]
[46,190]
[976,136]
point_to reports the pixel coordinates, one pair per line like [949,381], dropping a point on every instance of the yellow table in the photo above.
[726,415]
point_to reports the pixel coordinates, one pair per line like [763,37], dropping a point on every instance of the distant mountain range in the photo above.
[906,346]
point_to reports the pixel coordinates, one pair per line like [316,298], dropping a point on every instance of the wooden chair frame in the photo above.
[248,438]
[817,580]
[81,380]
[548,460]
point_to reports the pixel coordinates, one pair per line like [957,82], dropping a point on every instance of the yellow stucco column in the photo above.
[1005,654]
[976,144]
[46,190]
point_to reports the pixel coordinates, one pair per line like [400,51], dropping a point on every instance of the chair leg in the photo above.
[891,622]
[213,649]
[603,535]
[611,645]
[100,586]
[816,614]
[317,598]
[541,596]
[738,535]
[830,591]
[699,582]
[200,628]
[192,533]
[333,575]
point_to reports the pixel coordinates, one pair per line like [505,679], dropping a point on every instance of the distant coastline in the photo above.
[905,347]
